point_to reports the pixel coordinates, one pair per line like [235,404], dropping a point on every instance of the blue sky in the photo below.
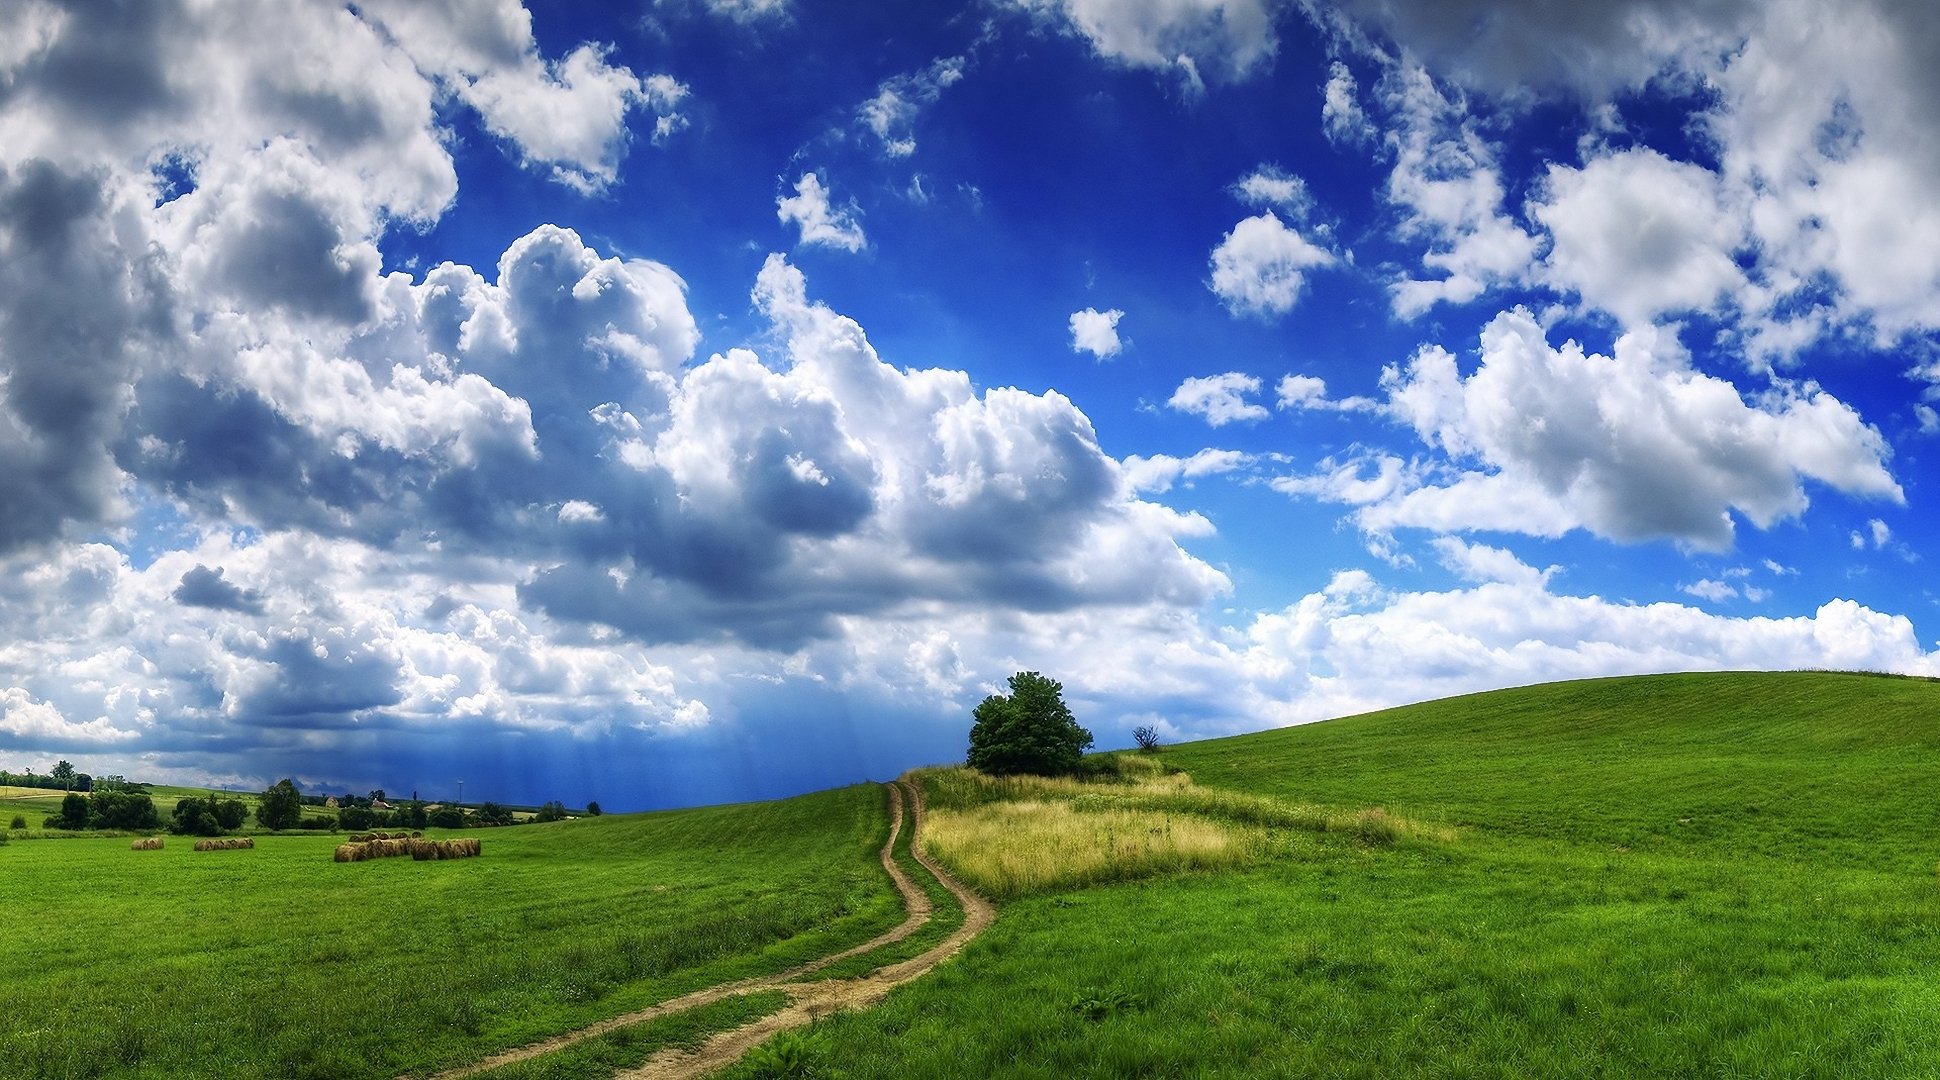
[713,399]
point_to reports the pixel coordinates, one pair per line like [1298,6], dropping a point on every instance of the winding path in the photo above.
[807,1000]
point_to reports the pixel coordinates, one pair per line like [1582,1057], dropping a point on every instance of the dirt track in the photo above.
[807,1000]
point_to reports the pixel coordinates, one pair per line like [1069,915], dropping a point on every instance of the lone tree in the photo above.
[281,806]
[1028,730]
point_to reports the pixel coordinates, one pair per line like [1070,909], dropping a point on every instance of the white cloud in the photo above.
[1710,589]
[1160,471]
[1813,117]
[1483,564]
[1225,38]
[567,115]
[1309,392]
[891,114]
[1447,181]
[749,11]
[1631,446]
[1096,332]
[1220,399]
[1341,115]
[820,223]
[1274,188]
[1259,268]
[1640,236]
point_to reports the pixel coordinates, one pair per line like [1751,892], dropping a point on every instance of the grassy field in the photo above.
[1705,875]
[279,963]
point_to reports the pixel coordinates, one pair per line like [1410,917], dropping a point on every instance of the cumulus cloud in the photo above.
[1631,446]
[1096,332]
[1448,183]
[1260,267]
[820,223]
[1219,399]
[566,115]
[1819,149]
[206,588]
[1228,39]
[1640,236]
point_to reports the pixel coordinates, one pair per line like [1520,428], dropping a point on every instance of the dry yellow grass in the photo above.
[1015,834]
[1008,848]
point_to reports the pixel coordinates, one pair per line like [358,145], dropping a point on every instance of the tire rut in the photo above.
[807,1000]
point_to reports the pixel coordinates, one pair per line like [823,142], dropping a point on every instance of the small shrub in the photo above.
[20,821]
[1097,1005]
[792,1055]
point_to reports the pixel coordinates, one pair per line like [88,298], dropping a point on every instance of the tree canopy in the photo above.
[1029,730]
[281,806]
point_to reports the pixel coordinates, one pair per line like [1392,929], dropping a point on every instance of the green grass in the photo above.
[1710,875]
[280,963]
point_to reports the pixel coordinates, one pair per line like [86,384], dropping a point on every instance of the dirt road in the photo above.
[807,999]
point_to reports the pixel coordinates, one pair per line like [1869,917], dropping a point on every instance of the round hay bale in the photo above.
[146,843]
[344,853]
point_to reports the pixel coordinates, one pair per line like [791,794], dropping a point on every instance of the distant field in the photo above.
[1705,875]
[278,963]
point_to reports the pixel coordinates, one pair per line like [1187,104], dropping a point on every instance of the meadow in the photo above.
[1704,875]
[1728,875]
[279,963]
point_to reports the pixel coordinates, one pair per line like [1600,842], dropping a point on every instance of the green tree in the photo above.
[446,816]
[64,773]
[552,811]
[593,809]
[281,806]
[195,816]
[122,810]
[230,813]
[1029,730]
[491,813]
[73,813]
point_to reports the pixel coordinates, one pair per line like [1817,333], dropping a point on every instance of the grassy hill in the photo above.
[1691,875]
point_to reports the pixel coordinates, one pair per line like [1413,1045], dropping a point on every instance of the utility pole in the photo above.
[461,793]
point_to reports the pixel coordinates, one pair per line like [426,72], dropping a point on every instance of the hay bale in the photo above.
[344,853]
[146,843]
[234,843]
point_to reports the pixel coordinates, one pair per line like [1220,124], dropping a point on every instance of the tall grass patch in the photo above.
[1008,849]
[1130,817]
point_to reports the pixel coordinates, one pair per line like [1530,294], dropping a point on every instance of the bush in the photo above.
[20,821]
[1030,730]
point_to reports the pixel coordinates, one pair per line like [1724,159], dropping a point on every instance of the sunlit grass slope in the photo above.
[1694,875]
[280,963]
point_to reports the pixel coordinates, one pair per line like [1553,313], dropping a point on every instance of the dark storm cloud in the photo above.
[76,289]
[203,587]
